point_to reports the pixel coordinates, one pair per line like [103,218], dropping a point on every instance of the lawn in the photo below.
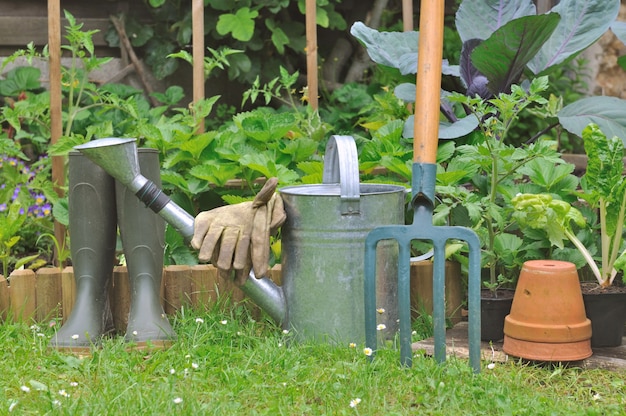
[226,363]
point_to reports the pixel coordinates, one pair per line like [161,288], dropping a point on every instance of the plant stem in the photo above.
[583,250]
[542,132]
[605,240]
[492,201]
[617,237]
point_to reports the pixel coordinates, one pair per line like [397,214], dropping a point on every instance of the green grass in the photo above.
[228,364]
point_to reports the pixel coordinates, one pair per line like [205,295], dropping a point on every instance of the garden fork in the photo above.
[424,172]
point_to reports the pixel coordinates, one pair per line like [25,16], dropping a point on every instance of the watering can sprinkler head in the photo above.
[118,157]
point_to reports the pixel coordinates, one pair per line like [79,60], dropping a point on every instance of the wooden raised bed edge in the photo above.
[49,293]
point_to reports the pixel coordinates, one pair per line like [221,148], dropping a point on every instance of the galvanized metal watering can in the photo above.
[323,242]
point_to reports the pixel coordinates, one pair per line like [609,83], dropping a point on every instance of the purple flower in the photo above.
[40,211]
[16,177]
[39,199]
[46,210]
[16,193]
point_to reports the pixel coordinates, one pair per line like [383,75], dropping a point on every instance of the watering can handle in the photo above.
[341,165]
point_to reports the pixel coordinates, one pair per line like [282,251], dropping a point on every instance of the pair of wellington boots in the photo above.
[98,205]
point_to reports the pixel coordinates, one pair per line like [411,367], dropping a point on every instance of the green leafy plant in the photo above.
[62,248]
[269,33]
[89,111]
[10,223]
[603,188]
[496,171]
[216,59]
[29,187]
[507,52]
[202,170]
[24,132]
[503,43]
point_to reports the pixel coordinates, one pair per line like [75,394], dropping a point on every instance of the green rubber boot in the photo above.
[143,234]
[92,227]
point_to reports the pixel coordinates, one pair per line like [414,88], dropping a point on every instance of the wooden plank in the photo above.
[276,274]
[56,104]
[119,298]
[204,286]
[68,291]
[78,8]
[49,293]
[4,298]
[18,32]
[311,52]
[197,13]
[422,289]
[23,295]
[178,288]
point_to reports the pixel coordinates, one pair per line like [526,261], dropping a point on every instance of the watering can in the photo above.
[323,243]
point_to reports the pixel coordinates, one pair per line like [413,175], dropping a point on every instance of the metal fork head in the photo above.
[423,229]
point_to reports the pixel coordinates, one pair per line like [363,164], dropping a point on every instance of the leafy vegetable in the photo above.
[603,189]
[502,42]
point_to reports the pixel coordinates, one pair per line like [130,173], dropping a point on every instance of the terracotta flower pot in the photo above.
[547,320]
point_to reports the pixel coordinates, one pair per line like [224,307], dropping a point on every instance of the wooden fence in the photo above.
[49,293]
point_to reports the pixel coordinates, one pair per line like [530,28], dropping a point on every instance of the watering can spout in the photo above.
[118,157]
[268,296]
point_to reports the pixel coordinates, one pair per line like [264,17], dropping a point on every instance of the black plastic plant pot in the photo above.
[493,310]
[607,312]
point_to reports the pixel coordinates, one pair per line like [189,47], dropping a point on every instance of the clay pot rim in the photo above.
[557,333]
[540,351]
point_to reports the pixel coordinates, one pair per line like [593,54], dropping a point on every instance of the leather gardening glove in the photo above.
[223,235]
[267,219]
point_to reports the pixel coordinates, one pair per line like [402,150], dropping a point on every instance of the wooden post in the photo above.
[276,274]
[56,123]
[422,289]
[68,291]
[204,286]
[119,298]
[23,295]
[177,288]
[197,23]
[407,15]
[544,6]
[49,294]
[4,298]
[232,290]
[311,52]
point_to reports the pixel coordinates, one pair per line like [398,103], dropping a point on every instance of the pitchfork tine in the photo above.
[423,229]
